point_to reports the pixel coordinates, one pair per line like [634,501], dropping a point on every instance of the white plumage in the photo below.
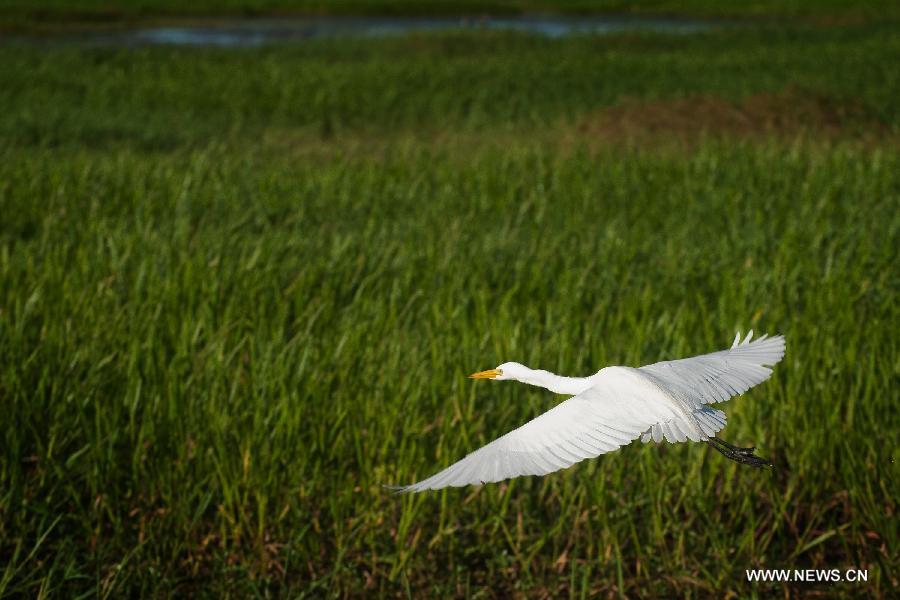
[617,405]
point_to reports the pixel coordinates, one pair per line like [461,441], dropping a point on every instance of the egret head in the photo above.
[510,370]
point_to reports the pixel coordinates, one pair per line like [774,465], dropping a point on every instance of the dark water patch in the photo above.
[250,32]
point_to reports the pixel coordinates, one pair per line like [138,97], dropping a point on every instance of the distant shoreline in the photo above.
[37,17]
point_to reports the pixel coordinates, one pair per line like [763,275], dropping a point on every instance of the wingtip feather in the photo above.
[399,489]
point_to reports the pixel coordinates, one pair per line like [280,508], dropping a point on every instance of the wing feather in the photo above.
[718,376]
[711,378]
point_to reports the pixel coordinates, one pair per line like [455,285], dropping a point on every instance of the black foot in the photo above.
[744,456]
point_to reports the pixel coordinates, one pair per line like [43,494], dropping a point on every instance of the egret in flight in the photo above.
[615,406]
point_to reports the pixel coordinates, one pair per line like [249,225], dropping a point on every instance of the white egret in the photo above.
[615,406]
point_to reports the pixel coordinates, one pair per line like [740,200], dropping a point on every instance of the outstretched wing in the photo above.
[601,419]
[718,376]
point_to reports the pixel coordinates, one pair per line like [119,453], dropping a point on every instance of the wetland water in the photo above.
[248,32]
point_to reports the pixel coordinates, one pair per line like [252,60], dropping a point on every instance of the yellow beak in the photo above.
[489,374]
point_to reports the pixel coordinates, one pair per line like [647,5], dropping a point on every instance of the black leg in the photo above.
[746,451]
[743,456]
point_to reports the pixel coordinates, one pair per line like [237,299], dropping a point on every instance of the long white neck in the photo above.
[555,383]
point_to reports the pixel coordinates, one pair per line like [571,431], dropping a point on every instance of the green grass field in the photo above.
[241,289]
